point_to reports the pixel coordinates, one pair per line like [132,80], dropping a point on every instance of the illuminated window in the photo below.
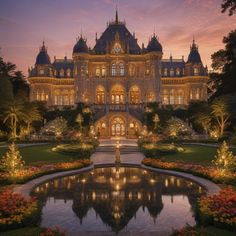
[68,73]
[165,72]
[41,71]
[131,125]
[198,93]
[103,125]
[191,94]
[134,95]
[165,97]
[122,69]
[100,94]
[172,97]
[113,70]
[61,73]
[177,72]
[180,97]
[195,71]
[103,71]
[131,70]
[97,72]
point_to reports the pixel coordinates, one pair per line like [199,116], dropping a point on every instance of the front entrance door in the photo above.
[117,127]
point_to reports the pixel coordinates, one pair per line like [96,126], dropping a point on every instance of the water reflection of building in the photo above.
[116,194]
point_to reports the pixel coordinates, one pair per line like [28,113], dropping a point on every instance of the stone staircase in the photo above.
[124,149]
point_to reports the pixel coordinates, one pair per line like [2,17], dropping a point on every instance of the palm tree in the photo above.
[14,111]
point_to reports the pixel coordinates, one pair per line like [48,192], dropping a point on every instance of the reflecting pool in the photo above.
[118,199]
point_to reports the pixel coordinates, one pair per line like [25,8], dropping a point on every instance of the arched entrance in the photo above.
[118,127]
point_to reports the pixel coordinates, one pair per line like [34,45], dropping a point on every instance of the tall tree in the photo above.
[224,66]
[31,114]
[229,5]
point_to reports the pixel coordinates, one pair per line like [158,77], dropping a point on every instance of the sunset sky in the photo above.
[24,24]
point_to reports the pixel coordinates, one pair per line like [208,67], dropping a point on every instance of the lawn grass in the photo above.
[36,155]
[193,154]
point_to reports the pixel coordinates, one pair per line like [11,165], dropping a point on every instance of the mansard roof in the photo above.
[125,37]
[64,64]
[172,63]
[194,56]
[43,57]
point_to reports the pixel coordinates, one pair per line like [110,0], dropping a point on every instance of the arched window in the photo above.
[113,70]
[97,71]
[172,72]
[118,94]
[122,69]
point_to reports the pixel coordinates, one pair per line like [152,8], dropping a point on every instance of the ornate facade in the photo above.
[117,78]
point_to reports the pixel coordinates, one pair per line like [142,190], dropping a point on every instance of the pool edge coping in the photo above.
[26,189]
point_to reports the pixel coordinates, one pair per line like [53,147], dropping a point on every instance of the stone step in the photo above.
[123,150]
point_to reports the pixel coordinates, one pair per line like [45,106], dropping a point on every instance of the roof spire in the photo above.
[117,19]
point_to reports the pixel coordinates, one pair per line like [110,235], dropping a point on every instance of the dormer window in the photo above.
[172,72]
[41,72]
[62,73]
[165,72]
[196,71]
[68,73]
[177,72]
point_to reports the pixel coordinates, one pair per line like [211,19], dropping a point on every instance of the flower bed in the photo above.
[33,172]
[206,172]
[16,211]
[53,232]
[219,210]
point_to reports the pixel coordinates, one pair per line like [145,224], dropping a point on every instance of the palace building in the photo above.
[117,78]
